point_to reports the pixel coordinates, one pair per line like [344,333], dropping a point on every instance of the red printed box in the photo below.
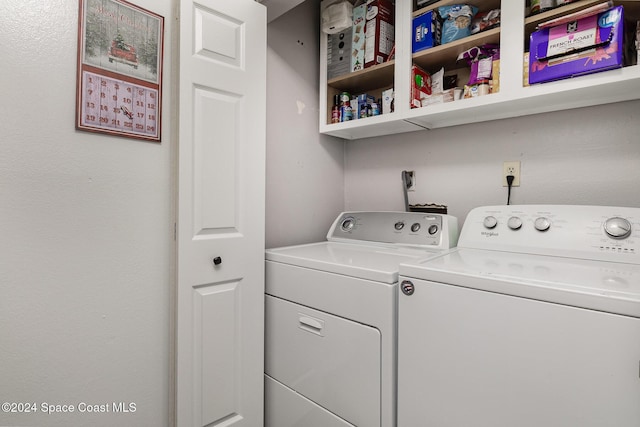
[379,32]
[420,85]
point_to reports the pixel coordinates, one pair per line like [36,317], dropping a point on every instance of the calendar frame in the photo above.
[119,74]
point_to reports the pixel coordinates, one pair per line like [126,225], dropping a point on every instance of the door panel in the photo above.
[216,161]
[216,340]
[332,361]
[473,358]
[218,36]
[300,411]
[220,229]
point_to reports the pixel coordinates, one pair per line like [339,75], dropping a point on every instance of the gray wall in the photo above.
[87,236]
[581,156]
[304,169]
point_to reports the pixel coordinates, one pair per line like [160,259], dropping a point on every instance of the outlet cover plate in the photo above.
[511,168]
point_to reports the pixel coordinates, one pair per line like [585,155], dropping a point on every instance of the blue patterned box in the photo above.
[425,31]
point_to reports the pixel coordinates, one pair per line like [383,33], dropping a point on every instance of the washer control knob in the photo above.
[490,222]
[618,228]
[399,225]
[514,223]
[348,223]
[415,227]
[433,229]
[542,224]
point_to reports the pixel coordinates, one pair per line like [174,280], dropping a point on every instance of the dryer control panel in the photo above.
[396,228]
[587,232]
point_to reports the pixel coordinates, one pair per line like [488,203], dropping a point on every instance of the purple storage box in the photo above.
[589,45]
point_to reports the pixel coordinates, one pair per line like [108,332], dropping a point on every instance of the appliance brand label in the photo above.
[489,233]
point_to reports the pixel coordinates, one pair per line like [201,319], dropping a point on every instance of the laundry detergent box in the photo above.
[588,45]
[426,31]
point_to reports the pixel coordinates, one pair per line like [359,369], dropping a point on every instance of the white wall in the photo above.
[582,156]
[87,232]
[304,169]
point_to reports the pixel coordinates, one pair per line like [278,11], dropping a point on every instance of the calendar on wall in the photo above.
[119,88]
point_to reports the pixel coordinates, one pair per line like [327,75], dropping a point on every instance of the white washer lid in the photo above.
[372,262]
[604,286]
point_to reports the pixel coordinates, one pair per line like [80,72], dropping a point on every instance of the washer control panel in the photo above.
[590,232]
[396,228]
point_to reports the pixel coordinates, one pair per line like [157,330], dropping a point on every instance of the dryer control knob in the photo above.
[433,229]
[415,227]
[348,223]
[542,224]
[490,222]
[399,225]
[514,223]
[618,228]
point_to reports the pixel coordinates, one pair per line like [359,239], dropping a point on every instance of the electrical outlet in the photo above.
[411,180]
[511,168]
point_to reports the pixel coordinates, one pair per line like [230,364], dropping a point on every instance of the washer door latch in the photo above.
[407,287]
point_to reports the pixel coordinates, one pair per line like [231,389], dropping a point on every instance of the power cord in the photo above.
[510,179]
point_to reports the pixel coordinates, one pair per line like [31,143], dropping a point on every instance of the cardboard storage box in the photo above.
[339,53]
[363,103]
[637,39]
[380,32]
[387,101]
[426,31]
[358,37]
[589,45]
[448,95]
[424,3]
[420,86]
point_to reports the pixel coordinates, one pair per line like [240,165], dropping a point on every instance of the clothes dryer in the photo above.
[331,307]
[534,320]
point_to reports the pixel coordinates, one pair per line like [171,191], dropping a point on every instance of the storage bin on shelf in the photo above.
[584,46]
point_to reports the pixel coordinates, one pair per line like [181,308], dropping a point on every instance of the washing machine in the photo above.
[330,318]
[534,320]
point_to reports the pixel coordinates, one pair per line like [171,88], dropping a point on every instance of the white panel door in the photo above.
[220,232]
